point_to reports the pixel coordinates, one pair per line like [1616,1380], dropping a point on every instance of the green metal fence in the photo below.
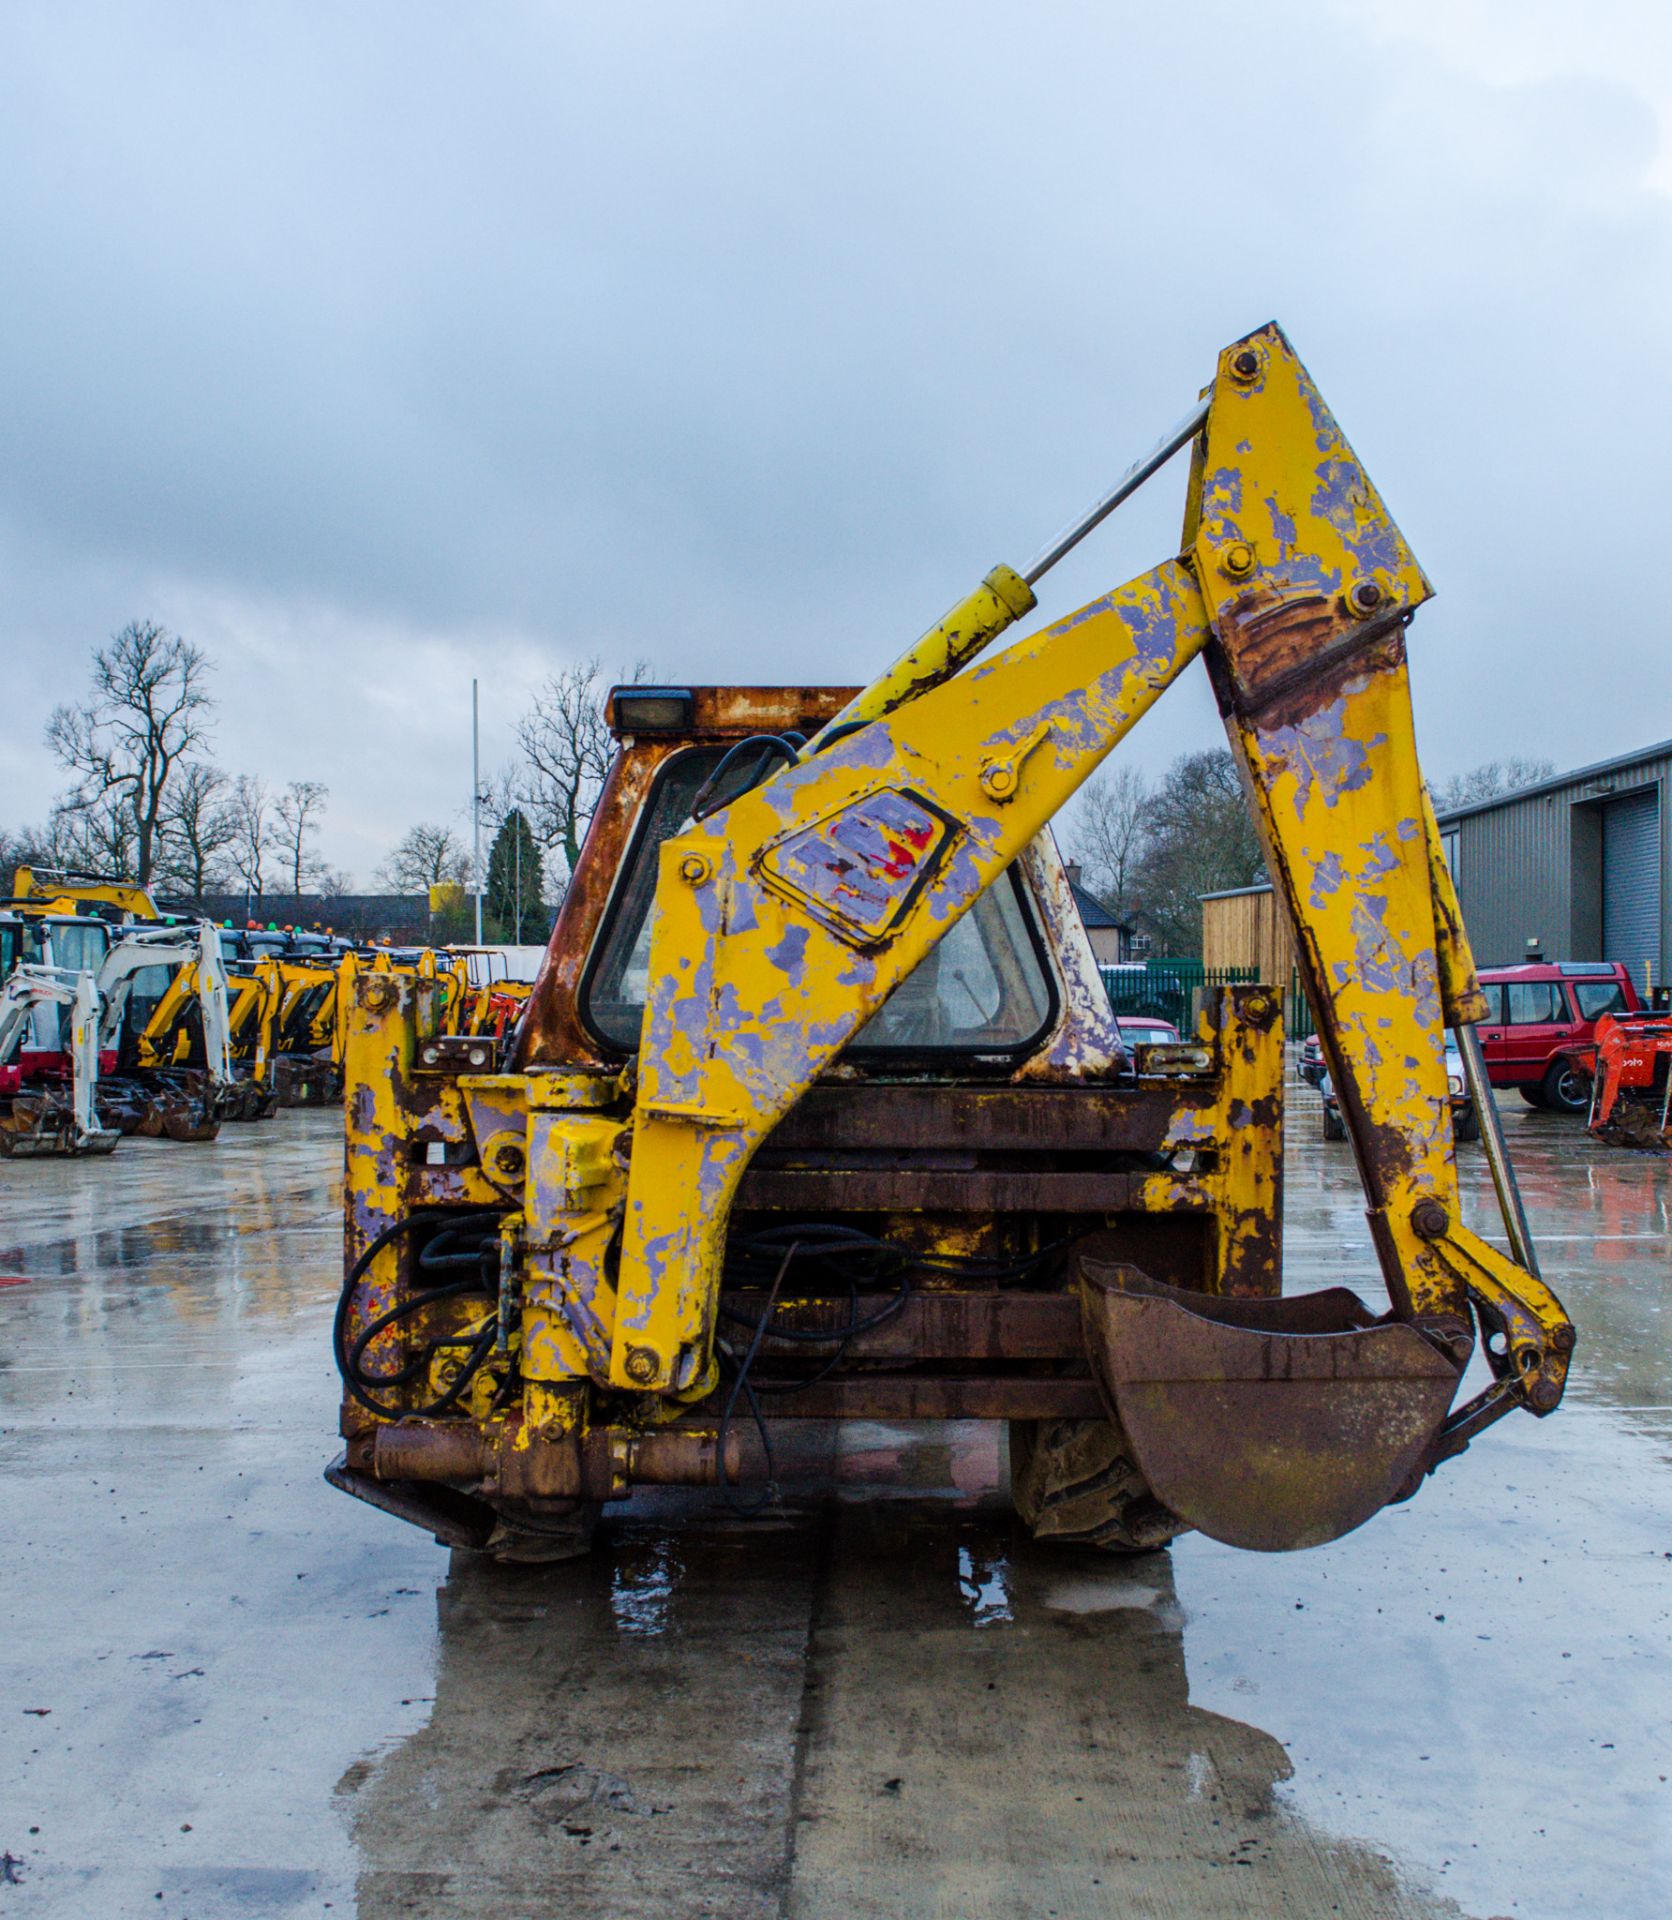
[1165,989]
[1297,1011]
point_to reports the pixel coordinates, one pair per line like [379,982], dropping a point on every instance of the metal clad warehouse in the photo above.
[1575,868]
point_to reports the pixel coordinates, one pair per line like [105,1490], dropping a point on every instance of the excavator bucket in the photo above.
[179,1109]
[180,1117]
[45,1127]
[1269,1424]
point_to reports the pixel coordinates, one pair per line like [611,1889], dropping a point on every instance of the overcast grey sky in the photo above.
[372,347]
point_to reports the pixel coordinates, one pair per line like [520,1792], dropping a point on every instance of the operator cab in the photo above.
[985,990]
[76,942]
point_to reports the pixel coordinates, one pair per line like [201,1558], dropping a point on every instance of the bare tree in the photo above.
[1491,778]
[95,835]
[296,822]
[1199,837]
[330,883]
[18,848]
[53,846]
[47,846]
[428,856]
[567,748]
[199,826]
[149,707]
[251,841]
[1105,833]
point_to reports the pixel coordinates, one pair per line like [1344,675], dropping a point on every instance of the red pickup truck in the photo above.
[1534,1011]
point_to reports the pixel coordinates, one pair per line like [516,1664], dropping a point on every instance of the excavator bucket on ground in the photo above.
[819,1109]
[44,1125]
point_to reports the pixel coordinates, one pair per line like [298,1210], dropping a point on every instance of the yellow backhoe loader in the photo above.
[190,1036]
[819,1110]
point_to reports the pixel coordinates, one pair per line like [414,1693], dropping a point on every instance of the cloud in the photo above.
[380,348]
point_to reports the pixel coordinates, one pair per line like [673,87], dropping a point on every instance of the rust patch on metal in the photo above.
[938,1326]
[860,1396]
[1268,1424]
[510,1461]
[1041,1119]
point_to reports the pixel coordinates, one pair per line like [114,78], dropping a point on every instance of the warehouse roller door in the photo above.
[1631,881]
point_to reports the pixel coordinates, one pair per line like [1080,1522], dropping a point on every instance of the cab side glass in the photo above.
[1535,1003]
[1597,997]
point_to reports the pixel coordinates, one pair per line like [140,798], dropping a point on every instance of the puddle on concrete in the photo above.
[984,1585]
[1100,1594]
[643,1579]
[1472,1688]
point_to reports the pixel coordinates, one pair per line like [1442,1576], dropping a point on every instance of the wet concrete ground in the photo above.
[227,1690]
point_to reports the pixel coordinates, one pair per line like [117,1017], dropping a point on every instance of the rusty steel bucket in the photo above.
[1269,1424]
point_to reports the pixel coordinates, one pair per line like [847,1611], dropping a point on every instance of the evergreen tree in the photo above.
[515,884]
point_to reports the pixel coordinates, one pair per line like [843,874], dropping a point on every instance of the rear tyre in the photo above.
[1075,1483]
[1335,1128]
[1565,1089]
[1533,1094]
[1466,1125]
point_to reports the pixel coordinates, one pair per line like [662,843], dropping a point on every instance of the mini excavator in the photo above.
[1628,1063]
[47,1119]
[818,1109]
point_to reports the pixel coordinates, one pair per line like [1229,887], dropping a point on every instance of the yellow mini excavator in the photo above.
[819,1110]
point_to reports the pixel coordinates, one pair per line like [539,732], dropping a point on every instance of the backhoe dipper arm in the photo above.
[1309,587]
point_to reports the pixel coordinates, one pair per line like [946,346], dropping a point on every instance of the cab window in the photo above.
[1597,997]
[982,990]
[1534,1003]
[80,947]
[150,984]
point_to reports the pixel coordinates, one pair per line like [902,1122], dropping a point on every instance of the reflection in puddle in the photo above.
[984,1583]
[642,1585]
[1101,1593]
[807,1708]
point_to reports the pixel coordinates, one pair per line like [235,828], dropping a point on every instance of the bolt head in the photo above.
[1245,365]
[1430,1220]
[642,1365]
[1239,559]
[998,781]
[1365,597]
[694,869]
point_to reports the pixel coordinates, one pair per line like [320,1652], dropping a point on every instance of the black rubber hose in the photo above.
[351,1282]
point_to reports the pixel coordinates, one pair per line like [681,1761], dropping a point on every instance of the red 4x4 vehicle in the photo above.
[1534,1011]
